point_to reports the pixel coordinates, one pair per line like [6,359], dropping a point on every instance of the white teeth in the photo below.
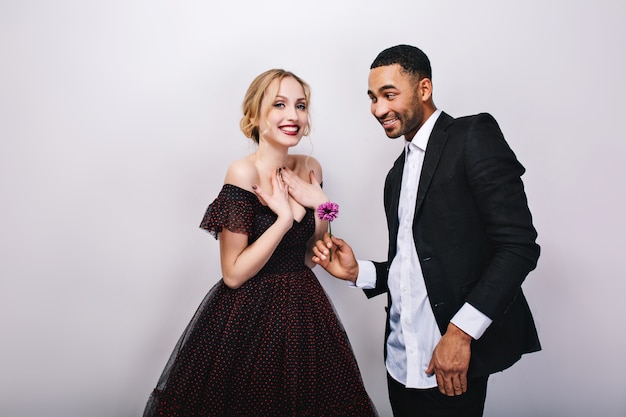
[388,122]
[290,128]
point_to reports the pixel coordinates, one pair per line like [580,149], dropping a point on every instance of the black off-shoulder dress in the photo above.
[273,347]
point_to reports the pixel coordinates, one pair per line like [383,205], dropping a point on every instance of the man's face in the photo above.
[396,101]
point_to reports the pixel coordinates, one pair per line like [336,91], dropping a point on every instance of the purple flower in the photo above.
[328,211]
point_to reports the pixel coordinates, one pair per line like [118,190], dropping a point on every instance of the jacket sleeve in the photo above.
[382,274]
[494,177]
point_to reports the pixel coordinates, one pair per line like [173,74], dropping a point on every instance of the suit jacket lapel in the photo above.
[436,144]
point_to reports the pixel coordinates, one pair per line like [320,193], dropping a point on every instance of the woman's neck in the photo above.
[269,158]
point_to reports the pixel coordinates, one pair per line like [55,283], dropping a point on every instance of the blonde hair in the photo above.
[254,98]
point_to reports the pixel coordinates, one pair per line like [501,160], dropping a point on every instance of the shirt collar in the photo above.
[420,140]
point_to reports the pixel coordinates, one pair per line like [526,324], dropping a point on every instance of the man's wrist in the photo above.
[454,330]
[355,274]
[365,275]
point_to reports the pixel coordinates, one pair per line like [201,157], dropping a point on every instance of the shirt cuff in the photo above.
[471,321]
[367,276]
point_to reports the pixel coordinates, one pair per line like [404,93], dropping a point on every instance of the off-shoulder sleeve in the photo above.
[233,209]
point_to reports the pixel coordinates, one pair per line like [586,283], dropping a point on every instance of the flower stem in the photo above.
[330,233]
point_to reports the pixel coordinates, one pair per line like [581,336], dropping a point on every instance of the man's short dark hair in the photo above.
[412,60]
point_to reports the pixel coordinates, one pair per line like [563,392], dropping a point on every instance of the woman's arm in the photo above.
[241,261]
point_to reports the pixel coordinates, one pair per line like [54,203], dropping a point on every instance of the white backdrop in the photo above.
[118,119]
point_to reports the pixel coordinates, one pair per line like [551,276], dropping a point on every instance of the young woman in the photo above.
[265,341]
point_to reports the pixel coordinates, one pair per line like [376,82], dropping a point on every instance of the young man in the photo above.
[461,242]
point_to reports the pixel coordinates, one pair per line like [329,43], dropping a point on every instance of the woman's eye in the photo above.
[301,106]
[279,104]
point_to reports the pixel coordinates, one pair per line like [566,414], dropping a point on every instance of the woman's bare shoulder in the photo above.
[242,173]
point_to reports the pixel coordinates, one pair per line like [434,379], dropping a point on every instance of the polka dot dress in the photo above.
[273,347]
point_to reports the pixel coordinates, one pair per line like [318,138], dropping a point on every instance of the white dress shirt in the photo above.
[414,331]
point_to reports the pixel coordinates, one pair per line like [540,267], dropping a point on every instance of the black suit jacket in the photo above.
[474,236]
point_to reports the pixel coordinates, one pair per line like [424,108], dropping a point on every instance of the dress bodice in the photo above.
[240,211]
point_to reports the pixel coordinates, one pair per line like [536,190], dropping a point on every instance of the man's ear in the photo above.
[425,89]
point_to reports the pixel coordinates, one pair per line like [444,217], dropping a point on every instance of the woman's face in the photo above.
[283,118]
